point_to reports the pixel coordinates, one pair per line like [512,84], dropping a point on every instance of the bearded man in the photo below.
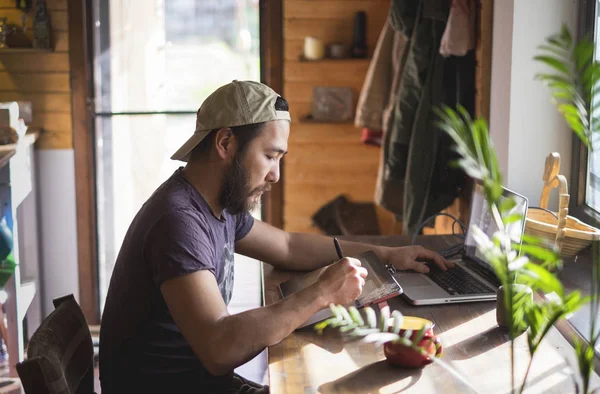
[165,326]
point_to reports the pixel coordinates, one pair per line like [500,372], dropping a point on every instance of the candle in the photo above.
[314,49]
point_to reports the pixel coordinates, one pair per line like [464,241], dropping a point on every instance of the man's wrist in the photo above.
[383,252]
[320,295]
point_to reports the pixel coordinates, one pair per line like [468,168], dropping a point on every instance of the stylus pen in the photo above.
[338,248]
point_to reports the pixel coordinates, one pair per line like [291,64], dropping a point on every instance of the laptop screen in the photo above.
[481,216]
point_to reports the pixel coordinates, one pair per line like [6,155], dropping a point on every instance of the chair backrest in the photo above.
[60,353]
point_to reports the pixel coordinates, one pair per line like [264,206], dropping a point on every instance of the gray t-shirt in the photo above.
[173,234]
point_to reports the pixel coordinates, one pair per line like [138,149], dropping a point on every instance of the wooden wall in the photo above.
[326,160]
[41,77]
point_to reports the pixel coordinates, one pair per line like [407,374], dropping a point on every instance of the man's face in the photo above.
[251,174]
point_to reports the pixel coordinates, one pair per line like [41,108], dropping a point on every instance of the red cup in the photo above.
[401,355]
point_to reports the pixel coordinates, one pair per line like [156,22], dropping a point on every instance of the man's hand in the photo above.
[413,258]
[342,282]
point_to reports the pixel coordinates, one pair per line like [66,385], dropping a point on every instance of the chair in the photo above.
[60,353]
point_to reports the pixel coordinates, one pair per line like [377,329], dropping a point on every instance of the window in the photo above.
[585,175]
[154,62]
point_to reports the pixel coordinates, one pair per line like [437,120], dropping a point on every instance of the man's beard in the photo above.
[236,193]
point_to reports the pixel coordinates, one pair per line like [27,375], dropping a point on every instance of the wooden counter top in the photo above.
[474,345]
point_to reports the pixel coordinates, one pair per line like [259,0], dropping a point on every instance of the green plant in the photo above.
[351,323]
[575,88]
[477,157]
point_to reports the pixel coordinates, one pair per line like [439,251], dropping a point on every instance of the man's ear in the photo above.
[224,143]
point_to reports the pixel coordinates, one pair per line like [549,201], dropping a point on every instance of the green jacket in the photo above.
[416,181]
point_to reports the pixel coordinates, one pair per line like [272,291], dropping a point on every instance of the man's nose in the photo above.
[273,175]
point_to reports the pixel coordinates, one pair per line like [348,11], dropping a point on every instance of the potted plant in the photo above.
[574,85]
[575,88]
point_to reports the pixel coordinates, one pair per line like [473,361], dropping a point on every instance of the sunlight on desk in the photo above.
[474,346]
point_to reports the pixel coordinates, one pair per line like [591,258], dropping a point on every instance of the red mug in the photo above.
[404,356]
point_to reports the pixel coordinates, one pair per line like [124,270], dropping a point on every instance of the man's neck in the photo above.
[206,178]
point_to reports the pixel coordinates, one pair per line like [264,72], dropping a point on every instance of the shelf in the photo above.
[9,51]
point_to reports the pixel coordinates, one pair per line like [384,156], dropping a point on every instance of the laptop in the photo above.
[473,278]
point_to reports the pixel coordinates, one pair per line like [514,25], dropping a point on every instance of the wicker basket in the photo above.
[567,233]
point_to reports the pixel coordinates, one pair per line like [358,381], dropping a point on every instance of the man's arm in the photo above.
[303,251]
[224,342]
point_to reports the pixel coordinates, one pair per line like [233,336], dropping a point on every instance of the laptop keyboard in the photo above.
[457,281]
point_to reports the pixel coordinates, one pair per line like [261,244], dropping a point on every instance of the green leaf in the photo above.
[583,53]
[555,63]
[345,315]
[398,319]
[336,311]
[542,279]
[356,317]
[521,301]
[512,218]
[585,360]
[537,252]
[506,204]
[348,327]
[420,335]
[384,318]
[361,332]
[371,317]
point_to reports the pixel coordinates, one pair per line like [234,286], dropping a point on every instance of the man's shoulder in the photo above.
[174,199]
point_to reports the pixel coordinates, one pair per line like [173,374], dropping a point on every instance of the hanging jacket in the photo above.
[459,36]
[415,180]
[376,92]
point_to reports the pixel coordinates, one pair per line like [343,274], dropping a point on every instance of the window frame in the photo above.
[579,154]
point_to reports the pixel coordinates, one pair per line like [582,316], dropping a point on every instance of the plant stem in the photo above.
[526,374]
[512,365]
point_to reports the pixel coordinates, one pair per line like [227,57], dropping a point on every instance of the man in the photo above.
[165,326]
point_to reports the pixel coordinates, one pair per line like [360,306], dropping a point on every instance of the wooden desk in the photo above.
[473,344]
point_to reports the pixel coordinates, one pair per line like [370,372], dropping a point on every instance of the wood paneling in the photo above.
[326,159]
[271,69]
[483,71]
[35,62]
[332,30]
[61,41]
[34,82]
[51,4]
[58,18]
[340,72]
[42,102]
[303,91]
[83,144]
[41,77]
[325,134]
[335,9]
[58,131]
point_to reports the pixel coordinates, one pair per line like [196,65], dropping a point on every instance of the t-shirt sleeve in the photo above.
[178,244]
[243,225]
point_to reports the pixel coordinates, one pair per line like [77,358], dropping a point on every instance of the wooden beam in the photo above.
[483,56]
[271,70]
[83,143]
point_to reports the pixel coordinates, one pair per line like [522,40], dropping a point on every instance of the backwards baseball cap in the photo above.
[238,103]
